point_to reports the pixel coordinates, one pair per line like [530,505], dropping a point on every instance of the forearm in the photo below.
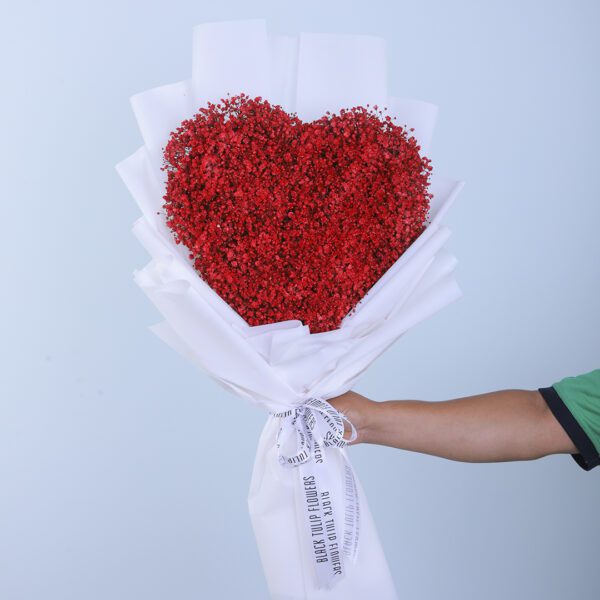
[497,426]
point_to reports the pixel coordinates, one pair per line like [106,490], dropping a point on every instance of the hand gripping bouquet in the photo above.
[294,225]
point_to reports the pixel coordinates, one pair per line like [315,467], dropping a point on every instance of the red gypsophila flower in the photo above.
[293,220]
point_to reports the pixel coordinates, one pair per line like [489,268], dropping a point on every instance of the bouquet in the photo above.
[294,225]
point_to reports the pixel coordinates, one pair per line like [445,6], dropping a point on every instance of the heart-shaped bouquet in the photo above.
[295,234]
[290,220]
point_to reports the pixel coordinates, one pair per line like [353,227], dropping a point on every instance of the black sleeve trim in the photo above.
[588,457]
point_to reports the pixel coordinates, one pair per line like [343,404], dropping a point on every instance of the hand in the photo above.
[359,411]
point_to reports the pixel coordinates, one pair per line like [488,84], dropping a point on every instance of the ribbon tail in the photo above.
[351,510]
[332,524]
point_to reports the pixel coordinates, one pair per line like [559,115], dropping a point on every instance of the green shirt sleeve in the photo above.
[575,402]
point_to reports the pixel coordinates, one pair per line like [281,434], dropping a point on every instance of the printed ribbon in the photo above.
[316,425]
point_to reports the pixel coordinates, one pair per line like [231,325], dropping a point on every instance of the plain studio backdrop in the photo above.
[118,477]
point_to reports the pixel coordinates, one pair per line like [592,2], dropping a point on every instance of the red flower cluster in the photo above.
[293,220]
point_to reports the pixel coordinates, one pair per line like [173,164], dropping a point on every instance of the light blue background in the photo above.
[115,483]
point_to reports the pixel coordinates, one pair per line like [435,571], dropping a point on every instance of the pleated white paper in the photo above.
[282,364]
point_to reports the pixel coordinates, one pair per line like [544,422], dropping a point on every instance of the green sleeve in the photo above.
[575,402]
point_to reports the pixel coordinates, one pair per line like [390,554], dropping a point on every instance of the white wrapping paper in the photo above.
[282,365]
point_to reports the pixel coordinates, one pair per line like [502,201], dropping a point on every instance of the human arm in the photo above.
[496,426]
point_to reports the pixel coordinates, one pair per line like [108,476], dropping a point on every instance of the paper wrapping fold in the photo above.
[282,364]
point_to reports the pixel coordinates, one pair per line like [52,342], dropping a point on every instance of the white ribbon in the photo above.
[316,425]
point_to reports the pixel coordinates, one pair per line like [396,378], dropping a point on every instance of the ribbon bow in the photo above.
[317,425]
